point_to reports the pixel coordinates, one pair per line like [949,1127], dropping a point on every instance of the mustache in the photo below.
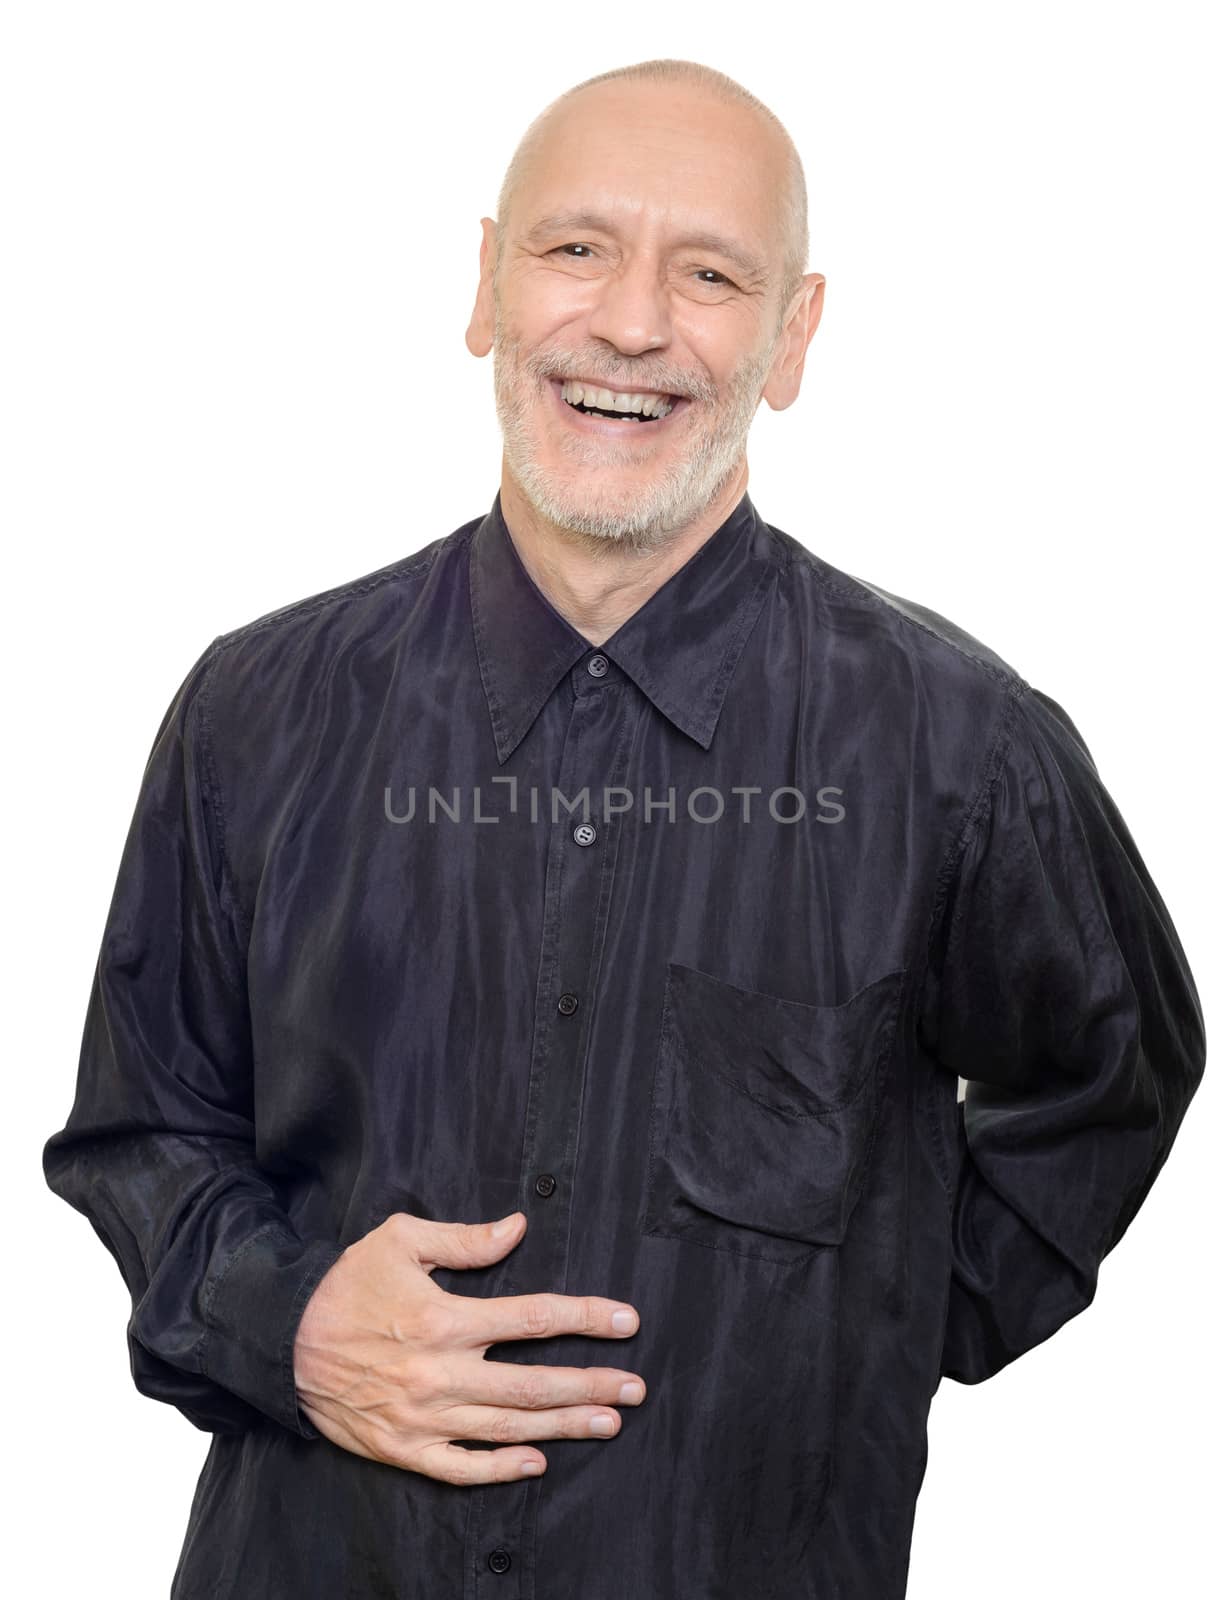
[625,381]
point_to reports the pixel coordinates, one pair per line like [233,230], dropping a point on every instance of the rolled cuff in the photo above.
[252,1315]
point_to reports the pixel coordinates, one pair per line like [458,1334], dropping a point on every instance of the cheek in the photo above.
[546,301]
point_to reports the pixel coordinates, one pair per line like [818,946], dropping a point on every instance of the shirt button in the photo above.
[585,833]
[500,1561]
[596,666]
[567,1004]
[544,1184]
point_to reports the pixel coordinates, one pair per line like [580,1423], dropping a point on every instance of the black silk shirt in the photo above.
[681,945]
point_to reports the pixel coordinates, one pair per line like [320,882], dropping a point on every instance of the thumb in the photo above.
[471,1244]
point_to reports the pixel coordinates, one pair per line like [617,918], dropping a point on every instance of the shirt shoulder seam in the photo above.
[859,589]
[213,796]
[977,809]
[980,805]
[308,605]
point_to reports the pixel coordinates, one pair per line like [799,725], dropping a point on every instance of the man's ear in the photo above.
[784,380]
[482,326]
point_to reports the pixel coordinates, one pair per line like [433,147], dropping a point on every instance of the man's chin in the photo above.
[611,520]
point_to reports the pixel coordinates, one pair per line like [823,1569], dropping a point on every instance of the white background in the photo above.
[242,250]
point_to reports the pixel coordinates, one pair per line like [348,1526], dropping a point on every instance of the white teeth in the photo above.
[645,405]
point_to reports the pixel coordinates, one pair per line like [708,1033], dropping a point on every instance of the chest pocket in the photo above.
[763,1113]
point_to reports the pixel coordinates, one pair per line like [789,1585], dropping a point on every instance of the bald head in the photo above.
[736,114]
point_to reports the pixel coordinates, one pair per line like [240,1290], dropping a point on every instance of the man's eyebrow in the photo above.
[702,239]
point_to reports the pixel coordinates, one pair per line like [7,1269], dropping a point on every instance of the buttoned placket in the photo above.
[581,855]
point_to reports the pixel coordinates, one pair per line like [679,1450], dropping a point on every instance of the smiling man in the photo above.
[615,867]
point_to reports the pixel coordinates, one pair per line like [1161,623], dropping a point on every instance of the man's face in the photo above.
[618,294]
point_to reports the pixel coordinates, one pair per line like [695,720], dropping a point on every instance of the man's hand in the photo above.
[390,1366]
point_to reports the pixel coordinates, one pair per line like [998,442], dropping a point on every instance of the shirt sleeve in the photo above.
[1065,1001]
[158,1151]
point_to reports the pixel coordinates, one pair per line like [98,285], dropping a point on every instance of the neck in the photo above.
[597,587]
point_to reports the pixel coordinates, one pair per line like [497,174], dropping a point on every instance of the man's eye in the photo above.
[700,271]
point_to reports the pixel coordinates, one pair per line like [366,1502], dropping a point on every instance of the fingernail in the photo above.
[631,1394]
[505,1225]
[623,1321]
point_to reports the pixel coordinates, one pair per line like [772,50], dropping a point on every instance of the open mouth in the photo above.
[628,424]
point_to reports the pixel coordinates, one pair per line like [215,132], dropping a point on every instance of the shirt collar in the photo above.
[680,647]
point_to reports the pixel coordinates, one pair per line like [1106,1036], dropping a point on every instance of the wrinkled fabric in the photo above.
[680,944]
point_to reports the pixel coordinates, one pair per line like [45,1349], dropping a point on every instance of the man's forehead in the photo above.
[695,144]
